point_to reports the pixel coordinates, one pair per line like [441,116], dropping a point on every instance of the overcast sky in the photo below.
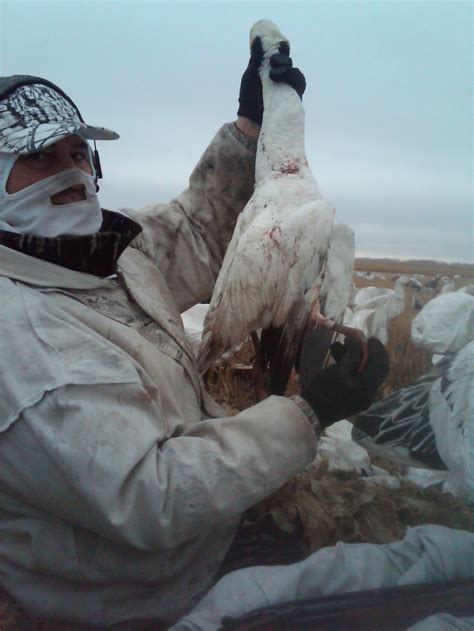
[388,103]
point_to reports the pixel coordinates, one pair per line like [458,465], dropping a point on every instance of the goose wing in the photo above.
[267,270]
[336,291]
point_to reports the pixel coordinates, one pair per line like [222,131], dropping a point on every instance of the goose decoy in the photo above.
[429,423]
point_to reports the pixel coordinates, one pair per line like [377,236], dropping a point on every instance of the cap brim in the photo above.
[31,139]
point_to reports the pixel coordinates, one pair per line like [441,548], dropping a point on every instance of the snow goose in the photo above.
[373,307]
[468,289]
[392,301]
[430,423]
[274,266]
[448,287]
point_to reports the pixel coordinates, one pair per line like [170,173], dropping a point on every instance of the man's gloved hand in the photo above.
[339,390]
[282,71]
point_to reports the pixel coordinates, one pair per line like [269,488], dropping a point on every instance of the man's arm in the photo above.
[98,457]
[87,434]
[187,238]
[248,127]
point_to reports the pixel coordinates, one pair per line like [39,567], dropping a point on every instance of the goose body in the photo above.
[272,271]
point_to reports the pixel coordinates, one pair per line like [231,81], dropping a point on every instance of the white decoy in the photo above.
[373,307]
[273,268]
[371,321]
[448,287]
[468,289]
[193,321]
[414,283]
[392,301]
[445,324]
[428,424]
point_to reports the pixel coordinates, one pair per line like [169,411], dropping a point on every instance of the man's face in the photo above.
[68,153]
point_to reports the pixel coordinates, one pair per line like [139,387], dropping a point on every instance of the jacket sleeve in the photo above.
[94,456]
[85,437]
[187,238]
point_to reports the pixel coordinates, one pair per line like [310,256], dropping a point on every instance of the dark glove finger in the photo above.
[250,96]
[322,391]
[352,357]
[256,53]
[280,62]
[378,364]
[284,48]
[333,394]
[377,352]
[367,381]
[292,76]
[337,350]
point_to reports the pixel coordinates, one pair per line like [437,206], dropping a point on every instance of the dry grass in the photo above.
[342,506]
[231,385]
[407,362]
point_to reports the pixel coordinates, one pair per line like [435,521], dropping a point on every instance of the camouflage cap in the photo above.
[36,114]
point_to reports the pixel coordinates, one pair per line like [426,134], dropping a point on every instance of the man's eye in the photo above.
[80,157]
[40,156]
[39,159]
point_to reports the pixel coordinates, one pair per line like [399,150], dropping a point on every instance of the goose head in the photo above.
[269,34]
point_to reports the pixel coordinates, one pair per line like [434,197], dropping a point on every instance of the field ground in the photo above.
[430,268]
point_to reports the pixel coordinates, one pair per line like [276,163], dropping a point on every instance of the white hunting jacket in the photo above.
[121,482]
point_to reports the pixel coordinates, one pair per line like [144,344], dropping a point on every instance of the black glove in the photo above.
[339,390]
[282,71]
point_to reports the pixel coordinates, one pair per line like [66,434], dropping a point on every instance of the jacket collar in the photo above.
[32,271]
[96,254]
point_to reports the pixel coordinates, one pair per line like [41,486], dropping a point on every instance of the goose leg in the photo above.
[316,319]
[258,370]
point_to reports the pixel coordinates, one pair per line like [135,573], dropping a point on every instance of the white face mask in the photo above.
[31,211]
